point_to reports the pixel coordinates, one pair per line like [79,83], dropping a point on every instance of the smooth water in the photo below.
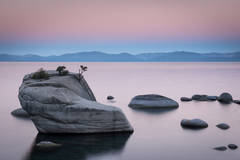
[158,134]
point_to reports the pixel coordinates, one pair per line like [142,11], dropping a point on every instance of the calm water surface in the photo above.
[157,136]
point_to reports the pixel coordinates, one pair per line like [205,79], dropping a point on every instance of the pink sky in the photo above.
[95,20]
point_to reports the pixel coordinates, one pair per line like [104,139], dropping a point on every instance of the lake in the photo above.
[157,134]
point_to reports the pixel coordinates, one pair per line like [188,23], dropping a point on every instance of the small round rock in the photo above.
[194,123]
[186,99]
[223,126]
[232,146]
[110,97]
[225,98]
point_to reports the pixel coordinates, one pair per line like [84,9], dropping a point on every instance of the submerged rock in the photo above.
[223,126]
[194,123]
[232,146]
[47,145]
[186,99]
[110,97]
[152,101]
[236,101]
[198,97]
[66,104]
[220,148]
[225,98]
[212,98]
[20,113]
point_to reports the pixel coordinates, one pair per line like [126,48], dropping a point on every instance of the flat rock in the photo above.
[20,113]
[220,148]
[193,123]
[198,97]
[212,98]
[152,101]
[232,146]
[186,99]
[223,126]
[225,98]
[66,104]
[236,101]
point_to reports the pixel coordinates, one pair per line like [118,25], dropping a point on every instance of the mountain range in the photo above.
[96,56]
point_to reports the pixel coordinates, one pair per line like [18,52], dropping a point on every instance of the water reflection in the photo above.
[79,147]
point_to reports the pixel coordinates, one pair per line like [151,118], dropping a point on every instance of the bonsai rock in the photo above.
[66,104]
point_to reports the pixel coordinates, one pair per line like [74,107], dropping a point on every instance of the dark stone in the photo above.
[110,97]
[220,148]
[212,98]
[237,101]
[232,146]
[198,97]
[225,98]
[152,101]
[186,99]
[193,123]
[223,126]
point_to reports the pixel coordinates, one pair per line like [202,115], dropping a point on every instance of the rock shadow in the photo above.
[154,111]
[78,147]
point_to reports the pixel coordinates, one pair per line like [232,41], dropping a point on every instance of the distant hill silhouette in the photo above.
[95,56]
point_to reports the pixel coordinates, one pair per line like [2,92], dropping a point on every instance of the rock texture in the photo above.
[223,126]
[193,123]
[66,104]
[152,101]
[225,98]
[20,113]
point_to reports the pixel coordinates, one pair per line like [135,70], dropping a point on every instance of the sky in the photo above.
[47,27]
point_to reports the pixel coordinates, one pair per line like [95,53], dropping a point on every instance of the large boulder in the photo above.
[66,104]
[152,101]
[225,98]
